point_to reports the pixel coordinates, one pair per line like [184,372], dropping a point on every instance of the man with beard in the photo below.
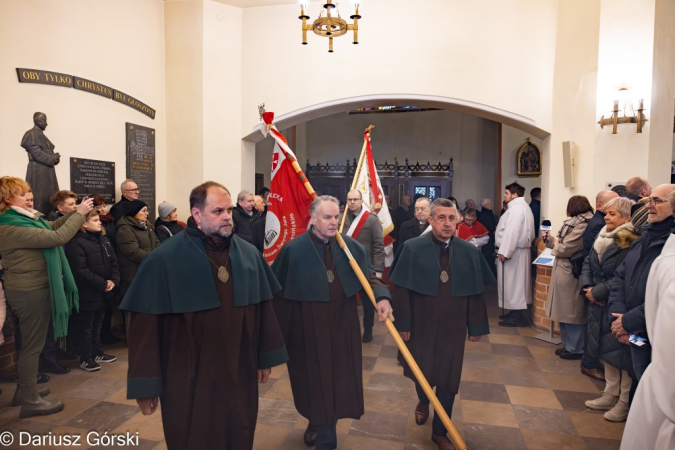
[439,282]
[203,334]
[320,322]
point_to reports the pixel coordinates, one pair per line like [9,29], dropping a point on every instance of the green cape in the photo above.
[177,278]
[303,277]
[62,285]
[415,269]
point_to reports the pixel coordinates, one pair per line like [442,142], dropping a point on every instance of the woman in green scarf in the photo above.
[38,282]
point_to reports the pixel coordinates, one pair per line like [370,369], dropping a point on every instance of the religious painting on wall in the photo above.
[529,160]
[141,163]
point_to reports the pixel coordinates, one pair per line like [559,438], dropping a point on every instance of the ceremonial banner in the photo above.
[288,202]
[368,183]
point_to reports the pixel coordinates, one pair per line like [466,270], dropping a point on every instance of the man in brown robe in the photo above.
[439,282]
[202,333]
[320,322]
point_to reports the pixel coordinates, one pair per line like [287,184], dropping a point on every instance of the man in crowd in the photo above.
[320,322]
[472,231]
[513,239]
[243,216]
[404,212]
[637,188]
[627,293]
[62,203]
[598,220]
[130,193]
[260,206]
[439,281]
[202,332]
[366,229]
[416,226]
[469,204]
[535,206]
[487,217]
[651,421]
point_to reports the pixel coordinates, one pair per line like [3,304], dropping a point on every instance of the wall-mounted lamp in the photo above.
[614,120]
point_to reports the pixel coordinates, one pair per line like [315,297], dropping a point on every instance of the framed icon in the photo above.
[529,160]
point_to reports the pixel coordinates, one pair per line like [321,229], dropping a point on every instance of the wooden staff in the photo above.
[431,395]
[356,175]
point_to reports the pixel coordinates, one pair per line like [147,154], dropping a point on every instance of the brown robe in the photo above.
[208,364]
[324,349]
[438,329]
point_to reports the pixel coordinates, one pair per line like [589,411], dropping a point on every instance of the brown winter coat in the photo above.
[133,244]
[565,304]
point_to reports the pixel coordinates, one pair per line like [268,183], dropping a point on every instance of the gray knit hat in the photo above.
[165,208]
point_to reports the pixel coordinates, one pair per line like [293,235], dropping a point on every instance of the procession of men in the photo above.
[210,318]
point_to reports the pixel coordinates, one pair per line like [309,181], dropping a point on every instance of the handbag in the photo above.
[577,266]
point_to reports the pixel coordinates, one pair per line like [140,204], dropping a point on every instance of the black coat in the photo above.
[117,210]
[259,234]
[627,295]
[403,216]
[164,230]
[599,275]
[409,229]
[535,206]
[93,261]
[488,219]
[243,223]
[594,226]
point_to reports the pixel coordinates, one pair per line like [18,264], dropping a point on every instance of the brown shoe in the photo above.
[443,442]
[421,413]
[593,373]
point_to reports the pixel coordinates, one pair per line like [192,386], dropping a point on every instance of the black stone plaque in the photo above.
[141,163]
[44,77]
[133,103]
[93,87]
[89,176]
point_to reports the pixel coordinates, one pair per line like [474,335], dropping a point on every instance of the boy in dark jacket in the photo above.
[96,272]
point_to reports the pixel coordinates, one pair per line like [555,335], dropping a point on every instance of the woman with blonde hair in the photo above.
[608,252]
[38,282]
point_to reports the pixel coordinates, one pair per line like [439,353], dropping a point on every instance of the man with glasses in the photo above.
[627,294]
[366,229]
[130,193]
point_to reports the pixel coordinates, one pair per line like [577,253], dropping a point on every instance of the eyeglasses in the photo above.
[133,190]
[656,201]
[353,199]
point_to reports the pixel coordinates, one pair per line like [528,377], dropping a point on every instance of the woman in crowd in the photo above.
[107,220]
[38,282]
[608,252]
[167,224]
[565,305]
[135,239]
[94,266]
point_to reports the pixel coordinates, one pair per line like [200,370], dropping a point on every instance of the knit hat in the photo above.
[638,215]
[165,208]
[133,207]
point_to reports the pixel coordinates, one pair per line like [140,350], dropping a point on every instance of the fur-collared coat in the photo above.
[598,274]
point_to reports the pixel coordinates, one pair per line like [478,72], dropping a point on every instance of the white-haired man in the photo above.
[130,192]
[320,322]
[244,215]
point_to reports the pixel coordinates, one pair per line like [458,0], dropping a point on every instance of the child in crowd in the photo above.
[96,272]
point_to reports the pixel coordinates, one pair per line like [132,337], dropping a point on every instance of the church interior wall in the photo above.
[512,140]
[119,44]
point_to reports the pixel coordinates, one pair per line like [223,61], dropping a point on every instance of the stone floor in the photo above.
[515,394]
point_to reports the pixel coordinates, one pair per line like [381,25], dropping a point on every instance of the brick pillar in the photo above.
[538,312]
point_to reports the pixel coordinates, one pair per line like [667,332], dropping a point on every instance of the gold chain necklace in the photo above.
[329,273]
[444,273]
[223,274]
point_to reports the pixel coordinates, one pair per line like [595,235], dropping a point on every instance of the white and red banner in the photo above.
[288,202]
[368,183]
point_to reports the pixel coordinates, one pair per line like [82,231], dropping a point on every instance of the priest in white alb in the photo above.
[513,240]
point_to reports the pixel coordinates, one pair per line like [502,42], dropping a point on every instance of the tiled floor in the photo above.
[515,394]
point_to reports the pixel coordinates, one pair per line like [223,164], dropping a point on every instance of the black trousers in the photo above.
[87,329]
[446,398]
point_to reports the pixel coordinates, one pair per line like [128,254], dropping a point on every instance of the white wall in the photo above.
[499,54]
[434,136]
[100,41]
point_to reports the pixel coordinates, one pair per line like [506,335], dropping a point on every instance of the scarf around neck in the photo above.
[570,224]
[605,239]
[61,282]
